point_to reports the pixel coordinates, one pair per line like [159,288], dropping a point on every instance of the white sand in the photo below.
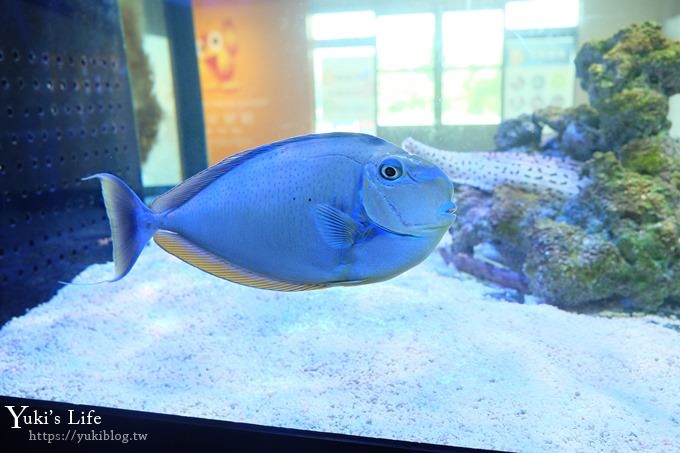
[428,356]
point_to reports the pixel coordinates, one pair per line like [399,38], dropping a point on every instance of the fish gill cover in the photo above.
[617,239]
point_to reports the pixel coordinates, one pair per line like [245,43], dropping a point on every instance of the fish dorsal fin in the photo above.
[180,194]
[335,227]
[191,253]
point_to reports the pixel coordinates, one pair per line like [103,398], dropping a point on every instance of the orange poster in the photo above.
[256,80]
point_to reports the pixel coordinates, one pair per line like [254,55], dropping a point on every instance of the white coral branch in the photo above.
[486,170]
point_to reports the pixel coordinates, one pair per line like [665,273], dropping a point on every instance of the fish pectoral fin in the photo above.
[336,228]
[187,251]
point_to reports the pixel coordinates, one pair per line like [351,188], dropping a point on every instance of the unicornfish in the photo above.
[304,213]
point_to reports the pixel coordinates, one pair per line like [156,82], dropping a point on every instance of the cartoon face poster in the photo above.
[216,50]
[256,81]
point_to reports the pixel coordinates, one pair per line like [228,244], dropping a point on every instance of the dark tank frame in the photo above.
[65,113]
[177,433]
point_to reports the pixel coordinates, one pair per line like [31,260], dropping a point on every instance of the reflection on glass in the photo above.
[153,92]
[405,98]
[344,89]
[163,166]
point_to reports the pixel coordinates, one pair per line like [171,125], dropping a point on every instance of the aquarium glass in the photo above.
[452,222]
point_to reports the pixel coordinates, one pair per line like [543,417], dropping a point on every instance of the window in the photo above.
[344,71]
[472,43]
[405,69]
[346,25]
[539,73]
[541,14]
[450,68]
[540,48]
[344,86]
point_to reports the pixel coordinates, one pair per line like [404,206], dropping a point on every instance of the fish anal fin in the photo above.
[191,253]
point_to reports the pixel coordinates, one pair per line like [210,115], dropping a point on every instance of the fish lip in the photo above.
[422,230]
[396,232]
[448,209]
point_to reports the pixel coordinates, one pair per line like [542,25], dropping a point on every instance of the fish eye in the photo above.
[391,170]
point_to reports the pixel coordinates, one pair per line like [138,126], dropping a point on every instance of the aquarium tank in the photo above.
[441,224]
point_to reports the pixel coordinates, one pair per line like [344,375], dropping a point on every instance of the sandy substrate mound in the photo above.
[430,356]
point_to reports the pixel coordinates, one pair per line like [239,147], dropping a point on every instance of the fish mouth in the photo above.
[422,230]
[448,209]
[446,214]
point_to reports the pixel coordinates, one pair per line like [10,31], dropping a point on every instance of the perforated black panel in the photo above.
[65,113]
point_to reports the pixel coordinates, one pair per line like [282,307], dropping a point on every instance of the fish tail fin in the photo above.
[132,223]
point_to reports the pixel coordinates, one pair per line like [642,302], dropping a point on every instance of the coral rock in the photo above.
[633,113]
[616,236]
[518,132]
[472,224]
[639,55]
[578,134]
[658,155]
[512,213]
[568,267]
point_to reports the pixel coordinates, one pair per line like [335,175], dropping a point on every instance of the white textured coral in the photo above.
[486,170]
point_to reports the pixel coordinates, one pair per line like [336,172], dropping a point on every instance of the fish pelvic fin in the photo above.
[132,223]
[187,251]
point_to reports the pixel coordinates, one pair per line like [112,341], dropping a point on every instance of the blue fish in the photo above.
[304,213]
